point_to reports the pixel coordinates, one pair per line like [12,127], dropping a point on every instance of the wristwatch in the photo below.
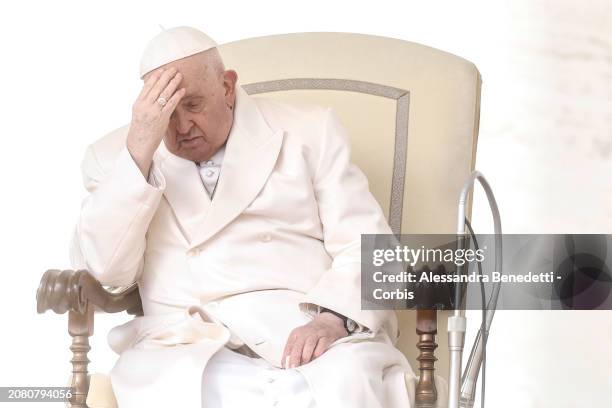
[349,324]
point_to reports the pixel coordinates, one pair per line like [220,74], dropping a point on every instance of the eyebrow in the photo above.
[192,97]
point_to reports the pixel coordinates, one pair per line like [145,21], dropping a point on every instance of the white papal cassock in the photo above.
[280,237]
[232,380]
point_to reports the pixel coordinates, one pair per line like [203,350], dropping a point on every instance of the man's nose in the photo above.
[183,123]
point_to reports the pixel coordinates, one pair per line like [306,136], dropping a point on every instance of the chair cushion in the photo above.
[100,394]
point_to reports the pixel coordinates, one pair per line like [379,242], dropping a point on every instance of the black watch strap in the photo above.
[344,318]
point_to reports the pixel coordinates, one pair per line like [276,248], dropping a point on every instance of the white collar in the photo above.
[215,160]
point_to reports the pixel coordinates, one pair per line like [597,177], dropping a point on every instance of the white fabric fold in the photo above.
[193,325]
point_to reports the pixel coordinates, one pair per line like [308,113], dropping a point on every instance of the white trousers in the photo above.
[233,380]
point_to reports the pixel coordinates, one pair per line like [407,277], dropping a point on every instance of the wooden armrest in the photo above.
[79,293]
[69,290]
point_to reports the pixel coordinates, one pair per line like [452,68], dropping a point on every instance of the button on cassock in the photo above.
[265,237]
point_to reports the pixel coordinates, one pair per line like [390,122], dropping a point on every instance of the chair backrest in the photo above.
[411,111]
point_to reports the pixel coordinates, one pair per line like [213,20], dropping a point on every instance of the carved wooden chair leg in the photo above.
[79,293]
[427,328]
[80,327]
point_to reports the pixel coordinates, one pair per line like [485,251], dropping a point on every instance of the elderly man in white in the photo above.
[240,219]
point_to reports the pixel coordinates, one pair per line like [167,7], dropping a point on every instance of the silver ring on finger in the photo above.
[162,101]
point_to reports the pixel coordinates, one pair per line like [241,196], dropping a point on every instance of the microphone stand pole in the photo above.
[464,397]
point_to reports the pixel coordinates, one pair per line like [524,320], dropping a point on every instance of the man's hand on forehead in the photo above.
[151,112]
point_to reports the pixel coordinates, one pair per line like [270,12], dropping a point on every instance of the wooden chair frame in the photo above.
[79,294]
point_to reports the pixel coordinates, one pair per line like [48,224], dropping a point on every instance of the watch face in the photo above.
[351,326]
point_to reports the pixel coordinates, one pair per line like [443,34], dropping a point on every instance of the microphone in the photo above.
[465,396]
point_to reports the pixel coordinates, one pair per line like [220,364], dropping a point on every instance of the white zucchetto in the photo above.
[173,44]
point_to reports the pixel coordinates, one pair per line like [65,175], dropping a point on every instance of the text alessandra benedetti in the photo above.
[473,277]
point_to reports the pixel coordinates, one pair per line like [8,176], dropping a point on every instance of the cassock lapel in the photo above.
[184,191]
[250,155]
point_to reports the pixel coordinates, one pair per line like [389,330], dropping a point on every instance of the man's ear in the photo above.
[230,77]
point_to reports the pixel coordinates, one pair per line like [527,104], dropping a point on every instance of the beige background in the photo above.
[69,74]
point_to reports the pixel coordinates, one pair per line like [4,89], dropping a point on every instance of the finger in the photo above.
[285,357]
[171,87]
[296,353]
[322,346]
[287,350]
[172,103]
[151,80]
[286,362]
[309,347]
[160,84]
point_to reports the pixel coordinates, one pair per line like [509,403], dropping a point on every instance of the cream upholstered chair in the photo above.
[412,114]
